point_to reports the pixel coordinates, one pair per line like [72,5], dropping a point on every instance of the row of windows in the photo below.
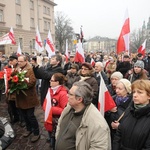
[31,44]
[18,21]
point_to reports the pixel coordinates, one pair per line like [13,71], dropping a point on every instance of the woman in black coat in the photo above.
[134,131]
[122,99]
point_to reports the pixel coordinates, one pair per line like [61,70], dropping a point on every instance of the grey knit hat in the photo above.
[139,63]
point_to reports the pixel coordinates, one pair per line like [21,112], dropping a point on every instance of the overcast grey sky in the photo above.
[104,17]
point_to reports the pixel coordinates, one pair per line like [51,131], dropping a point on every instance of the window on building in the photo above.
[18,19]
[46,25]
[18,2]
[31,4]
[32,22]
[33,43]
[1,16]
[44,9]
[48,11]
[21,43]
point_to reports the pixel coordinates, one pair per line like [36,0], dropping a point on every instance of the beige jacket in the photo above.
[93,132]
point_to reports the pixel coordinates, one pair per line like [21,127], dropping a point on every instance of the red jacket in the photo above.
[59,100]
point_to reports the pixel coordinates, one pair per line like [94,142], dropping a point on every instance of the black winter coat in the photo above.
[134,131]
[123,67]
[45,74]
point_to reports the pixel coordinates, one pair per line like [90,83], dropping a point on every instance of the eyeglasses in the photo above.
[84,68]
[53,81]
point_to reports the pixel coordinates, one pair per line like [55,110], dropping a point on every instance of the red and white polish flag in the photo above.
[50,45]
[19,50]
[142,48]
[38,42]
[123,40]
[8,38]
[92,62]
[47,107]
[79,56]
[105,101]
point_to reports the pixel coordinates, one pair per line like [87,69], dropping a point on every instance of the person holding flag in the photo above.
[58,100]
[122,99]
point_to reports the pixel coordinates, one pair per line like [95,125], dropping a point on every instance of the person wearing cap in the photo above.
[86,74]
[72,75]
[122,99]
[116,76]
[68,65]
[124,66]
[133,133]
[138,72]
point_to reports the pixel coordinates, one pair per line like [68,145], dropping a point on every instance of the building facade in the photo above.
[98,43]
[24,16]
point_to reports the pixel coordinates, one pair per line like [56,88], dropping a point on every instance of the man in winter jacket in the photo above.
[46,73]
[81,126]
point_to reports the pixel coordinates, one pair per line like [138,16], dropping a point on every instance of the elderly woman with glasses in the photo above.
[58,94]
[87,74]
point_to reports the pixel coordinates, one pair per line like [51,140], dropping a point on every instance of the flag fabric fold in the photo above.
[8,38]
[38,42]
[105,101]
[47,107]
[123,40]
[50,45]
[142,48]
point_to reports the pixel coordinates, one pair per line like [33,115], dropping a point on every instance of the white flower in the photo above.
[27,79]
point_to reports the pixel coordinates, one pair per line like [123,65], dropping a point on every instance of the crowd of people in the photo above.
[76,122]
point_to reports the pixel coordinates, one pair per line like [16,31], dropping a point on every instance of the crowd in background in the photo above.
[124,75]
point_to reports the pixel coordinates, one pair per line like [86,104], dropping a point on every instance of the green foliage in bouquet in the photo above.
[18,82]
